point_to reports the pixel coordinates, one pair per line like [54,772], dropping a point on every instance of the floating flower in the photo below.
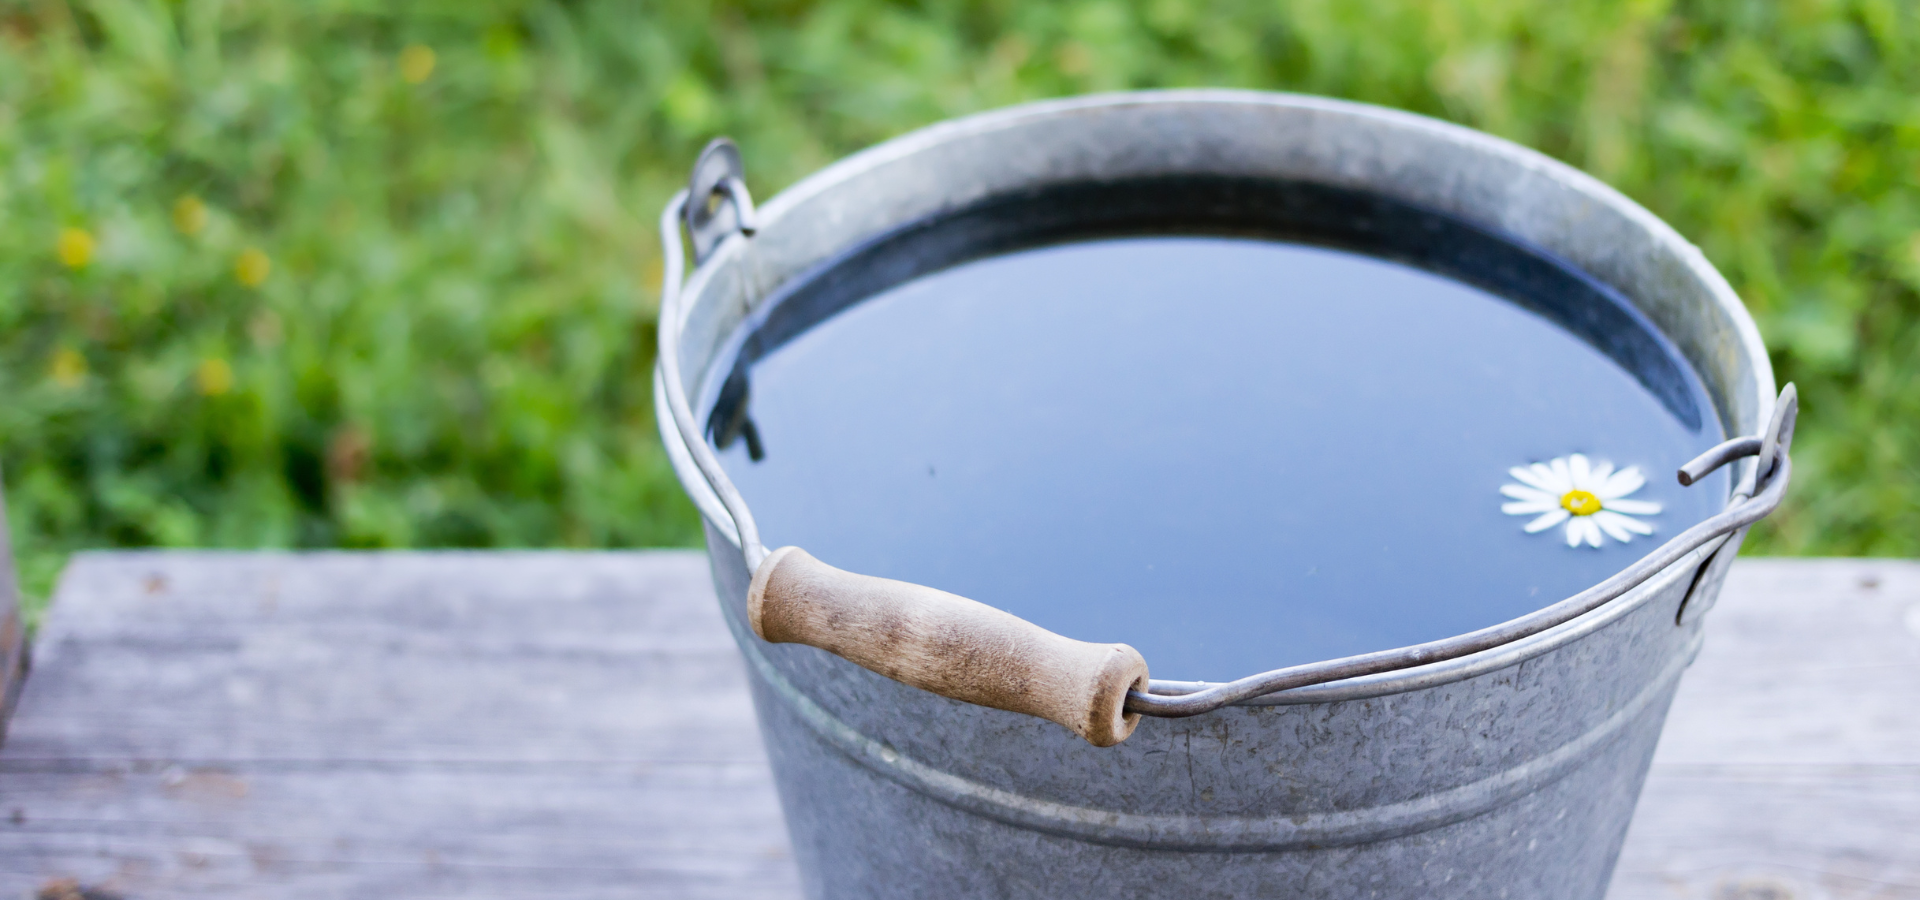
[1590,498]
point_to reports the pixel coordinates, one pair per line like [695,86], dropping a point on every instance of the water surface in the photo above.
[1232,453]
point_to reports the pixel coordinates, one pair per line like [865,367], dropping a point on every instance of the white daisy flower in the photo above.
[1589,497]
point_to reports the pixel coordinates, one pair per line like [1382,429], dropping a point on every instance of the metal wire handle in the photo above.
[1179,701]
[671,323]
[1169,699]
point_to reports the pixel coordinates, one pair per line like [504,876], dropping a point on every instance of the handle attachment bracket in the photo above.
[1770,446]
[717,200]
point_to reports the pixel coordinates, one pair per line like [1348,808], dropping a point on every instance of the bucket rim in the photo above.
[1750,351]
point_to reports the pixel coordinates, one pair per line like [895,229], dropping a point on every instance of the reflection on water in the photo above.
[1233,454]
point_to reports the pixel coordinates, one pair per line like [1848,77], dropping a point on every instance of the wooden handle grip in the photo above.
[947,644]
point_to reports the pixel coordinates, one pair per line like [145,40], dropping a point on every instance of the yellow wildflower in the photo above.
[69,368]
[1074,58]
[215,376]
[652,275]
[75,247]
[253,267]
[416,63]
[189,215]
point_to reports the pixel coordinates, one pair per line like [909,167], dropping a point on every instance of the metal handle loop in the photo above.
[718,176]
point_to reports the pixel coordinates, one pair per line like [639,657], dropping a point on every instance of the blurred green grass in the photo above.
[337,273]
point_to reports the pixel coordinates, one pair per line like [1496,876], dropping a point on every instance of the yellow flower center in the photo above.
[1580,503]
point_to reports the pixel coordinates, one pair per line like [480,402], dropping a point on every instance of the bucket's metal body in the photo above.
[1509,773]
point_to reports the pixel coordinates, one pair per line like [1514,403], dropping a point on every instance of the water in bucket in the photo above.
[1235,449]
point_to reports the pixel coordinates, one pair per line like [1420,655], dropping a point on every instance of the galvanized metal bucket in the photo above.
[1504,763]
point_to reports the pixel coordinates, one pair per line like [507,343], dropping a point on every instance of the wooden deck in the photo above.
[13,632]
[577,726]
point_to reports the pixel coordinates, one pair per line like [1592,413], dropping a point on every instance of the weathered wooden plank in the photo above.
[483,725]
[691,830]
[13,631]
[1790,767]
[408,725]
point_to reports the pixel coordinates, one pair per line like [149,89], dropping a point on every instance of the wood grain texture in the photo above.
[1790,765]
[947,644]
[575,725]
[13,630]
[394,725]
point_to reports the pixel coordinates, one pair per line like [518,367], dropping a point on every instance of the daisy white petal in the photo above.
[1521,492]
[1611,525]
[1604,517]
[1623,482]
[1600,473]
[1632,507]
[1581,470]
[1527,475]
[1555,482]
[1596,489]
[1552,518]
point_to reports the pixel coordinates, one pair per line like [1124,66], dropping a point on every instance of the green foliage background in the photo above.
[451,348]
